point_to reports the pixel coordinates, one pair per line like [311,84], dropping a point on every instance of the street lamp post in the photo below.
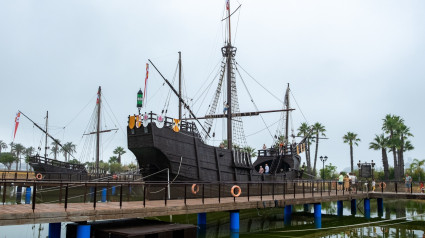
[323,159]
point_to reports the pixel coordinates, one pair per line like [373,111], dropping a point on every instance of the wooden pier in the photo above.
[212,197]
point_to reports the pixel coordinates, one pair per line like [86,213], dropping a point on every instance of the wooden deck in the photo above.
[76,212]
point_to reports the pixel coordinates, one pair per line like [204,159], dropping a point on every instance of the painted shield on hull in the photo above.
[160,121]
[176,125]
[131,122]
[138,121]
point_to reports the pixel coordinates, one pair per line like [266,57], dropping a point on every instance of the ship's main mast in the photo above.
[229,51]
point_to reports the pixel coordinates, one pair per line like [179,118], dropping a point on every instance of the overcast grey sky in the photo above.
[349,64]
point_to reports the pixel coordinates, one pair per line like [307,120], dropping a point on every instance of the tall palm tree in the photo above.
[3,145]
[351,139]
[67,149]
[318,130]
[251,151]
[403,132]
[381,143]
[389,126]
[304,130]
[28,153]
[119,151]
[18,149]
[55,149]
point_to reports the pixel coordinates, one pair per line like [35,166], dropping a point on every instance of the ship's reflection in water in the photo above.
[401,218]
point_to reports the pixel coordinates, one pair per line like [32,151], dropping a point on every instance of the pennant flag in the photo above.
[16,124]
[146,81]
[227,5]
[176,125]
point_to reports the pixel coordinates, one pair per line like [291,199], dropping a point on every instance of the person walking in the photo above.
[408,182]
[340,181]
[346,180]
[373,186]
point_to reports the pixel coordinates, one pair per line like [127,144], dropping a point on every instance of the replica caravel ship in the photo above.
[177,145]
[52,167]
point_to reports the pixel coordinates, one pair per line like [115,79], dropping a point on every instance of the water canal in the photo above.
[401,218]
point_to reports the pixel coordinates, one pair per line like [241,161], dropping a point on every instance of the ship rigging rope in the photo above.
[90,101]
[298,106]
[356,225]
[252,100]
[207,89]
[168,99]
[113,114]
[259,83]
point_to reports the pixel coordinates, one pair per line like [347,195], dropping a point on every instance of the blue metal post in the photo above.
[83,231]
[287,215]
[202,225]
[28,195]
[54,230]
[353,207]
[202,218]
[367,208]
[307,207]
[234,221]
[318,215]
[113,190]
[380,206]
[103,194]
[340,207]
[18,194]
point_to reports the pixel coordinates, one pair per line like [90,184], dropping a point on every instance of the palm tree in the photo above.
[119,151]
[416,167]
[18,149]
[3,145]
[389,126]
[55,148]
[381,143]
[403,132]
[28,153]
[304,130]
[351,139]
[318,130]
[251,151]
[67,149]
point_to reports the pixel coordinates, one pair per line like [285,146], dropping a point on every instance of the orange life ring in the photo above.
[232,191]
[39,176]
[195,188]
[382,185]
[114,176]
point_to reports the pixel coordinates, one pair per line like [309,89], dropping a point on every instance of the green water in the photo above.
[400,218]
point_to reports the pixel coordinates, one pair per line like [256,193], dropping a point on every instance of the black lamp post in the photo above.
[323,159]
[373,165]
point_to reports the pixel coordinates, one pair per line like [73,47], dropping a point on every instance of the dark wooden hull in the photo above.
[50,167]
[190,159]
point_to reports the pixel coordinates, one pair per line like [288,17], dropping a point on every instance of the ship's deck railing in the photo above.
[185,126]
[57,163]
[275,151]
[91,192]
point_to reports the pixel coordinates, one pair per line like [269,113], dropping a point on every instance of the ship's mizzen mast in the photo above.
[287,115]
[98,129]
[45,143]
[180,85]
